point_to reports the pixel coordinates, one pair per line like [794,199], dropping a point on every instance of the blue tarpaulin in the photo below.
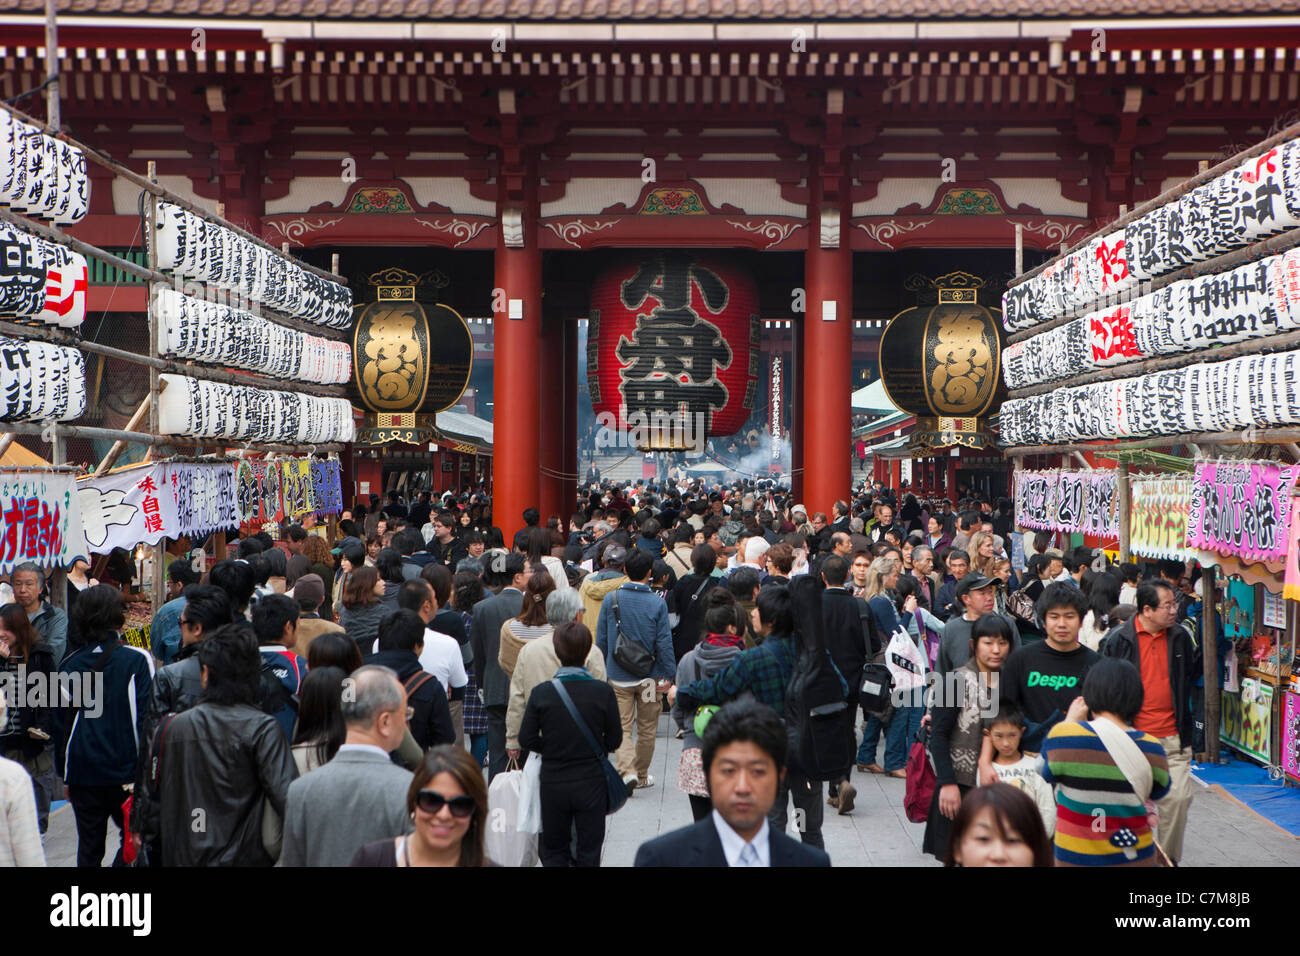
[1251,785]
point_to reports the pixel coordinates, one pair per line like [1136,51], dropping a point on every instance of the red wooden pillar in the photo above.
[569,442]
[827,359]
[950,478]
[551,392]
[517,347]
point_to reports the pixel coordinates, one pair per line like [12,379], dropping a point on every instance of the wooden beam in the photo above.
[115,452]
[1261,436]
[1210,654]
[1122,490]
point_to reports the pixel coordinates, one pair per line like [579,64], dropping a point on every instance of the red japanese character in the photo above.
[13,523]
[32,528]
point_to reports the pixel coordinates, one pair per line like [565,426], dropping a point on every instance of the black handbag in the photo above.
[615,788]
[874,694]
[630,655]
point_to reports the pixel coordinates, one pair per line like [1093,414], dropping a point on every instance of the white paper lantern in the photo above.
[66,285]
[22,272]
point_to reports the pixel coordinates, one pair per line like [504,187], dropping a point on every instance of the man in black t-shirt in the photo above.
[1043,679]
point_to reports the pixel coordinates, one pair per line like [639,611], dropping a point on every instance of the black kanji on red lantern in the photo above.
[672,360]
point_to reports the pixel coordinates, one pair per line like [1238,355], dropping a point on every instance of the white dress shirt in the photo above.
[442,658]
[733,844]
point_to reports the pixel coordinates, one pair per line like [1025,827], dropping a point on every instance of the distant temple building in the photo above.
[515,151]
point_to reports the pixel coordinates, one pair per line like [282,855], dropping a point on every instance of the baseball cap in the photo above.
[973,582]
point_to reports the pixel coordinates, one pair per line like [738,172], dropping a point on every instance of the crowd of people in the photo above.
[347,697]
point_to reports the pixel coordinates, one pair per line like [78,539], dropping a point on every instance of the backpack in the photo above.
[272,696]
[815,706]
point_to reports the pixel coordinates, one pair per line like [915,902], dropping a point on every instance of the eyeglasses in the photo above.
[186,622]
[432,802]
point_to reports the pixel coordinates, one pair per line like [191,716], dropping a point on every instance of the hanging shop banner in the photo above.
[205,497]
[1239,610]
[1158,516]
[126,508]
[327,486]
[1246,720]
[1290,756]
[1291,581]
[259,484]
[1074,502]
[1274,610]
[269,490]
[1241,508]
[295,487]
[39,520]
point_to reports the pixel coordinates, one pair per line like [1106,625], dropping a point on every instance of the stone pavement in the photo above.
[1220,831]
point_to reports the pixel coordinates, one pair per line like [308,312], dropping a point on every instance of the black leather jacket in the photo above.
[1185,664]
[176,688]
[40,660]
[225,761]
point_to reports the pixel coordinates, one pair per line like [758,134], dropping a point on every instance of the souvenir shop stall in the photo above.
[1226,519]
[1173,334]
[246,357]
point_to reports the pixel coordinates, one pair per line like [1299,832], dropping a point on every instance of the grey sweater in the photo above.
[362,624]
[703,661]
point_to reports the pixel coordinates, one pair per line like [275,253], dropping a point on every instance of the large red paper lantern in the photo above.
[674,334]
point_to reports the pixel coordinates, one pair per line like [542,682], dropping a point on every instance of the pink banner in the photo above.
[1241,508]
[1291,735]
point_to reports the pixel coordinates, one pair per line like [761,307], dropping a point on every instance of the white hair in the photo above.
[755,548]
[563,606]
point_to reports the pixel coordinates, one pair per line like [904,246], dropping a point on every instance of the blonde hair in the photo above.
[880,569]
[982,565]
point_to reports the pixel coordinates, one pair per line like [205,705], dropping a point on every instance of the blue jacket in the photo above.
[644,616]
[165,631]
[290,669]
[98,735]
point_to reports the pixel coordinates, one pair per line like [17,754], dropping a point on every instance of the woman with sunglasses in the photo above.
[448,805]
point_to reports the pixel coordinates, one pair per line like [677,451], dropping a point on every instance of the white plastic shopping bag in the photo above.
[506,844]
[906,661]
[530,796]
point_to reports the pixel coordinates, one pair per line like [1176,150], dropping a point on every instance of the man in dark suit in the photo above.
[743,753]
[505,572]
[851,642]
[840,517]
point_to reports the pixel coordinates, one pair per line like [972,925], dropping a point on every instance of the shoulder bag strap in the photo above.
[1128,757]
[618,621]
[577,718]
[700,590]
[416,681]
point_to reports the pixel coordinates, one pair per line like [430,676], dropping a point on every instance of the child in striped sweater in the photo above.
[1100,820]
